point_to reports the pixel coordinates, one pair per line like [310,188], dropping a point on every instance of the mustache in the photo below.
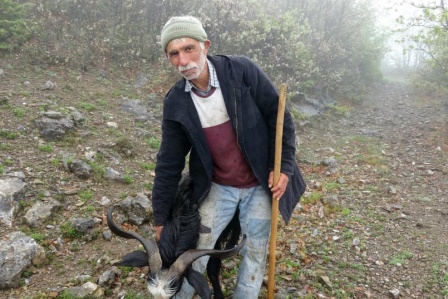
[187,67]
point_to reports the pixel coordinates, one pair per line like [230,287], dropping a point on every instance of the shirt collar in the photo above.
[213,78]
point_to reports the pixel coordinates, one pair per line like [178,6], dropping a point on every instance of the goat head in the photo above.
[164,281]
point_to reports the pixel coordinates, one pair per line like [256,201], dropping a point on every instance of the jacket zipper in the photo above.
[236,118]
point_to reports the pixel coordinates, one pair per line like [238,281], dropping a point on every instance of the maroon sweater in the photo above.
[230,168]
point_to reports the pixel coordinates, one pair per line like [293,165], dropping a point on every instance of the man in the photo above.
[223,114]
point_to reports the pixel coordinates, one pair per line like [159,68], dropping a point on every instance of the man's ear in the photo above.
[207,44]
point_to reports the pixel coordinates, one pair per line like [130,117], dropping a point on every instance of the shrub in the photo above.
[13,25]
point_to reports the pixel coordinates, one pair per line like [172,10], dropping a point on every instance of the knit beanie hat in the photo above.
[185,26]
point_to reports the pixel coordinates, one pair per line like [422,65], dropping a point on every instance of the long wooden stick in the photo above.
[277,166]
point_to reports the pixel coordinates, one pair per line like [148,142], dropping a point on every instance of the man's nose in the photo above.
[183,59]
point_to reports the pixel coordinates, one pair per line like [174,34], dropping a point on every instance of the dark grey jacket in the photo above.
[252,102]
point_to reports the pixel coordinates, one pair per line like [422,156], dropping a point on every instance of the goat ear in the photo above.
[136,258]
[199,283]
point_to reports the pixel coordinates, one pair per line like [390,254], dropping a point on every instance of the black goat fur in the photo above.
[180,234]
[186,236]
[181,231]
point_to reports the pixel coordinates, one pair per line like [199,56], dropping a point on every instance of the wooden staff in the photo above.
[277,167]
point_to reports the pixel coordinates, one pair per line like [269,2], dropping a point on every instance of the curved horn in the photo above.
[188,257]
[151,248]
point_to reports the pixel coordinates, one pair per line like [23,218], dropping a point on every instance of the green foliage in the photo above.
[93,33]
[430,39]
[98,170]
[68,231]
[125,146]
[400,258]
[19,112]
[8,135]
[13,25]
[47,148]
[346,212]
[86,194]
[330,186]
[87,106]
[125,271]
[66,295]
[38,237]
[128,179]
[153,142]
[303,44]
[339,110]
[275,42]
[134,295]
[311,198]
[148,166]
[148,186]
[439,277]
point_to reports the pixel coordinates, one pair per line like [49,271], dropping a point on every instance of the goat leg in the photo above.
[199,283]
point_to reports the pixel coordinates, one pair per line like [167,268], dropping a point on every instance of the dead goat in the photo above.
[170,259]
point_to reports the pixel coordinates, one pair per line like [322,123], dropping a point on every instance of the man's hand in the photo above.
[280,188]
[158,232]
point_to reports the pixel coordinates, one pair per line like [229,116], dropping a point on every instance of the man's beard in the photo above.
[194,67]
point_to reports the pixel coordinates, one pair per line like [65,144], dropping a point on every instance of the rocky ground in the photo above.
[372,224]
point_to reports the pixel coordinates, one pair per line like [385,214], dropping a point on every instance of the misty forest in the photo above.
[82,84]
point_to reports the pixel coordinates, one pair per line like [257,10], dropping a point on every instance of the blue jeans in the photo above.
[255,219]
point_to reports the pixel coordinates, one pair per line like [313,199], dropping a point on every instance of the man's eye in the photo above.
[174,54]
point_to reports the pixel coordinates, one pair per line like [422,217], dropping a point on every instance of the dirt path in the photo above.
[388,234]
[413,131]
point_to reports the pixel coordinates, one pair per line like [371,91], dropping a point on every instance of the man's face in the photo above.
[187,56]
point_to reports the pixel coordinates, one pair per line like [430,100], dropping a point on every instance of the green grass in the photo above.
[47,148]
[346,212]
[8,162]
[125,146]
[102,102]
[86,194]
[330,186]
[400,258]
[87,106]
[153,142]
[5,147]
[97,168]
[19,112]
[134,295]
[339,110]
[128,179]
[68,231]
[312,197]
[148,166]
[439,278]
[38,237]
[8,135]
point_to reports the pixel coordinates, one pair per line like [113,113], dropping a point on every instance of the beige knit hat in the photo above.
[185,26]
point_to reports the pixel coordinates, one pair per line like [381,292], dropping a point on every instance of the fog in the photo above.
[393,17]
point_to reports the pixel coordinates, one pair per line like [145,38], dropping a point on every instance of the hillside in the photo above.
[372,224]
